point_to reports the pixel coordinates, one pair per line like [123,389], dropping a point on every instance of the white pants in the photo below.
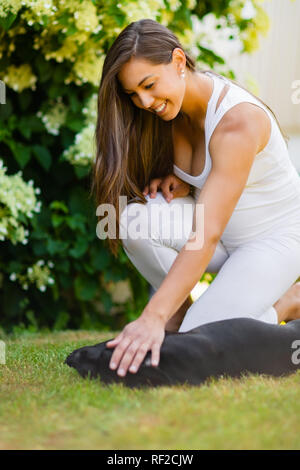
[249,281]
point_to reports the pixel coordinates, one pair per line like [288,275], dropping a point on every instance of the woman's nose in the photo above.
[147,101]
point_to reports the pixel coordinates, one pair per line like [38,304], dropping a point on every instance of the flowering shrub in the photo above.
[17,204]
[38,274]
[54,271]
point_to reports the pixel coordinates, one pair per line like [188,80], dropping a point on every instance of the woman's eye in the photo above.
[148,86]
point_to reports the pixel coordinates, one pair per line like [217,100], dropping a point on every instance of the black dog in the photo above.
[228,347]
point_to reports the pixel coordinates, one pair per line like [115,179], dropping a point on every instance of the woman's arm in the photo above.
[233,149]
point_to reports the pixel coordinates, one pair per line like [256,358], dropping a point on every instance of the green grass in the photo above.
[44,404]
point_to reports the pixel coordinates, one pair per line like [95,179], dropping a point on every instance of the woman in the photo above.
[158,115]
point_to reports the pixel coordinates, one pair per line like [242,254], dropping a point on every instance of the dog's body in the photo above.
[229,347]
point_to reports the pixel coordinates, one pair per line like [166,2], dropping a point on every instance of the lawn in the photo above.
[44,404]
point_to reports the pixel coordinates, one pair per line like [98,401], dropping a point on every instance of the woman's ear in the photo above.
[179,59]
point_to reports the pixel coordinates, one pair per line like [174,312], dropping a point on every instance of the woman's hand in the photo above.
[171,187]
[131,345]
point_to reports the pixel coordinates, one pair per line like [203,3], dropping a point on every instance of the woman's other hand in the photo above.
[171,187]
[132,344]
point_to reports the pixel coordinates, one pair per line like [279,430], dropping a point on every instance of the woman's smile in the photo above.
[161,109]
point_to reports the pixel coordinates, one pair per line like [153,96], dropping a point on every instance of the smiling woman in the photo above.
[134,140]
[144,69]
[154,109]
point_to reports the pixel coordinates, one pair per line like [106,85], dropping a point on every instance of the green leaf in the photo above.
[61,320]
[85,287]
[29,124]
[14,266]
[7,21]
[54,90]
[208,56]
[63,18]
[80,248]
[74,124]
[12,122]
[44,68]
[59,205]
[71,30]
[4,134]
[78,201]
[106,299]
[82,171]
[57,219]
[56,246]
[25,98]
[113,276]
[99,257]
[38,247]
[62,265]
[65,280]
[59,74]
[77,221]
[75,104]
[45,20]
[43,156]
[89,269]
[6,109]
[21,153]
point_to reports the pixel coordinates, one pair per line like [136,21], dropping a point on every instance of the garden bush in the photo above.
[54,271]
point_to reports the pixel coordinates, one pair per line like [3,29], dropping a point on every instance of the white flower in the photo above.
[13,277]
[248,11]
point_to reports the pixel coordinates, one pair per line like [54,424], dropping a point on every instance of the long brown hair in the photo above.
[133,145]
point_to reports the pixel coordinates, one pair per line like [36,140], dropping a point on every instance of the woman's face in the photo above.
[152,86]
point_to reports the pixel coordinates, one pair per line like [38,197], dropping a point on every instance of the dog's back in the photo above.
[229,347]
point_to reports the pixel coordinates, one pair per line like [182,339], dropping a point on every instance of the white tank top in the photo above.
[271,197]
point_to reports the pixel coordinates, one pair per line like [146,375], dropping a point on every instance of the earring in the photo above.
[182,74]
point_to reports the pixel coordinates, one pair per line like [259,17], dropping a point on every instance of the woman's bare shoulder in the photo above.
[245,116]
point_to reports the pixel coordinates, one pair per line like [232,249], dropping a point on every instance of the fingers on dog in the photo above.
[133,357]
[118,353]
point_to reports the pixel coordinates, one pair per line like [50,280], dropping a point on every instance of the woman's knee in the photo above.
[166,223]
[133,223]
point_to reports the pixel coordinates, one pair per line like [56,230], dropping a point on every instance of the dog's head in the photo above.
[93,361]
[86,360]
